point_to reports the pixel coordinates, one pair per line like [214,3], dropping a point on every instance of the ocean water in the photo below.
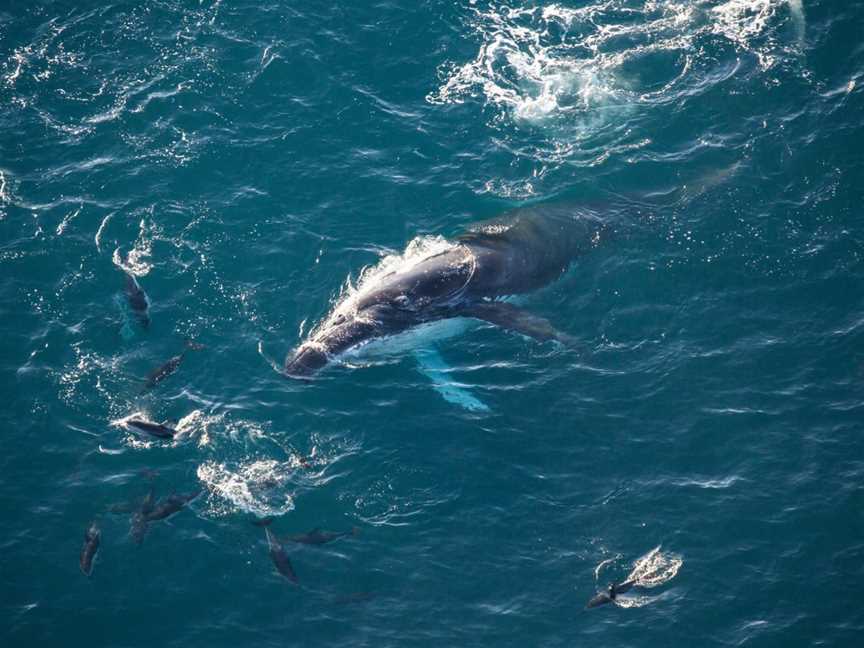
[247,160]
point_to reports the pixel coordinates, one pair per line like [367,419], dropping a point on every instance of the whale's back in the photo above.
[528,248]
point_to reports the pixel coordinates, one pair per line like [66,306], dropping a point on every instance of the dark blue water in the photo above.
[245,159]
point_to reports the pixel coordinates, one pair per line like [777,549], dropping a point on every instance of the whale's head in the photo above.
[388,302]
[306,360]
[342,331]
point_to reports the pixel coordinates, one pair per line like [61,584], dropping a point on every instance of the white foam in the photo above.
[539,64]
[743,21]
[256,487]
[198,425]
[655,568]
[650,570]
[4,196]
[68,218]
[712,484]
[603,563]
[19,58]
[98,237]
[136,262]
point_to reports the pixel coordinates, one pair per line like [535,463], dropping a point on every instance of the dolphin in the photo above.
[168,506]
[514,254]
[277,551]
[92,538]
[168,367]
[140,518]
[155,429]
[354,597]
[319,537]
[610,594]
[137,299]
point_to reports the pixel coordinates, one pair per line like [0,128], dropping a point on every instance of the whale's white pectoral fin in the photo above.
[515,319]
[436,369]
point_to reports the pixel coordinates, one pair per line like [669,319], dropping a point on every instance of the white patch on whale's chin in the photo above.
[400,344]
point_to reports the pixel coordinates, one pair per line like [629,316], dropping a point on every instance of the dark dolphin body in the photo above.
[140,518]
[320,537]
[155,429]
[280,557]
[164,370]
[354,597]
[168,506]
[137,299]
[92,538]
[517,253]
[611,594]
[161,372]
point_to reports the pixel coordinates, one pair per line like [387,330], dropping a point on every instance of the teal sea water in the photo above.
[247,160]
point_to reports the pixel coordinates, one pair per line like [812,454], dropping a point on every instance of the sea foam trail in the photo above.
[557,66]
[650,570]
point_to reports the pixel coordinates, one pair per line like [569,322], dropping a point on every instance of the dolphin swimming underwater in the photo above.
[519,252]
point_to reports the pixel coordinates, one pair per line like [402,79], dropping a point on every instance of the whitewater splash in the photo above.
[137,261]
[259,487]
[551,65]
[4,194]
[651,570]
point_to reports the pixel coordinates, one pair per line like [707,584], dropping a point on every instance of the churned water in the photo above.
[251,162]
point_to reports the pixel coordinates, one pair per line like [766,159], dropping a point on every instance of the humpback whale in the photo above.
[519,252]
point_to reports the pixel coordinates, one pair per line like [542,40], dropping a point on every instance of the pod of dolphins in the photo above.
[150,509]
